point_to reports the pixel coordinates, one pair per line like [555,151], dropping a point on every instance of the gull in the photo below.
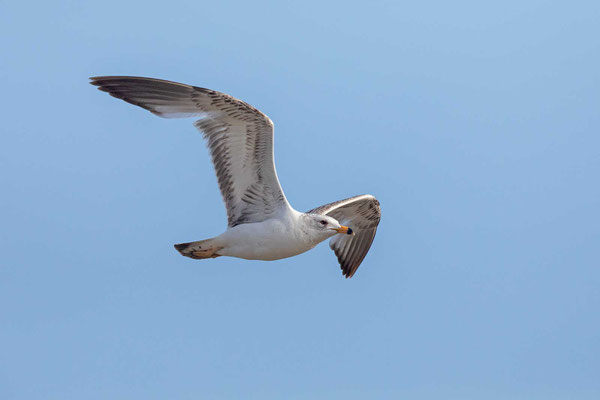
[261,224]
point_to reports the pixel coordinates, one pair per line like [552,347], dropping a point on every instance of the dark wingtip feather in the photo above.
[347,272]
[94,81]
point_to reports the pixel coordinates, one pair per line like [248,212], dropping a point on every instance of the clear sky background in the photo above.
[476,125]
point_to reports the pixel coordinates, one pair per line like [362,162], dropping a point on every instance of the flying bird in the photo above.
[262,225]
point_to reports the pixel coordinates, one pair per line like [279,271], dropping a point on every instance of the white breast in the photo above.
[272,239]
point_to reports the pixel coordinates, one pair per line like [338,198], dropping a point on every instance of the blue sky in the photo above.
[475,125]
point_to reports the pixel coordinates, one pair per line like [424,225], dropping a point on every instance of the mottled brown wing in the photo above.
[362,214]
[239,137]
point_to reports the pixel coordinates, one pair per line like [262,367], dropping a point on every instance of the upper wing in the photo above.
[362,214]
[240,139]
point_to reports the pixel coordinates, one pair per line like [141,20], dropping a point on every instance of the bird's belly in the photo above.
[263,241]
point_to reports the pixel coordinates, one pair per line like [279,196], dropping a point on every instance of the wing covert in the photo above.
[239,137]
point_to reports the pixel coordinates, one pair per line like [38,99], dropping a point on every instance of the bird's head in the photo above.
[323,226]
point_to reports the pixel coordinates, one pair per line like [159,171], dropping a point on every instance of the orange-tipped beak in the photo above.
[344,229]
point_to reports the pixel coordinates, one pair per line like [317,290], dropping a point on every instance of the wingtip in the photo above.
[95,80]
[98,80]
[347,274]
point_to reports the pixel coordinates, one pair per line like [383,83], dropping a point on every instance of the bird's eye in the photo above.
[323,222]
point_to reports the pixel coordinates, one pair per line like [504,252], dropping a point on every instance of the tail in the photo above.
[199,250]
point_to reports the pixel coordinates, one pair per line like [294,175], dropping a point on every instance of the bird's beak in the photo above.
[344,229]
